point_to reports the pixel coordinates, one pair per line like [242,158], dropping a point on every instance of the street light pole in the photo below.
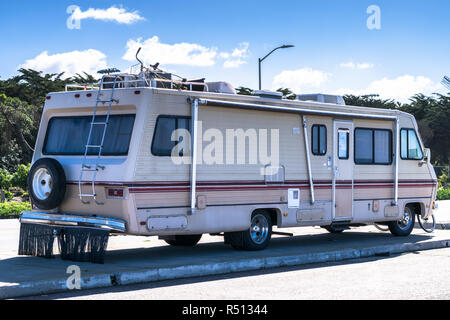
[260,60]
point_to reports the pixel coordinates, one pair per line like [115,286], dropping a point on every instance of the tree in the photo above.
[16,116]
[244,91]
[371,101]
[433,116]
[22,99]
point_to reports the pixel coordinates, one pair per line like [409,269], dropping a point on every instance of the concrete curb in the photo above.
[217,268]
[443,226]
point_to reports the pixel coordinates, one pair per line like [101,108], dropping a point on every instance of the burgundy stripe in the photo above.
[237,188]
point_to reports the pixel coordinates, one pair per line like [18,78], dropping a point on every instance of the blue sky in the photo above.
[222,40]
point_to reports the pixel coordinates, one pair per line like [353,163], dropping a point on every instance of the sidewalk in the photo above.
[132,260]
[442,215]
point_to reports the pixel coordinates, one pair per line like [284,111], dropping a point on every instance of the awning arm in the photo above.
[397,160]
[308,160]
[194,152]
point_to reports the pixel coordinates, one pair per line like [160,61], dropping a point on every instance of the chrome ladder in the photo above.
[89,168]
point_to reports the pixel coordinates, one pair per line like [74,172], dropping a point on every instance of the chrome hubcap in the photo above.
[259,230]
[42,184]
[407,219]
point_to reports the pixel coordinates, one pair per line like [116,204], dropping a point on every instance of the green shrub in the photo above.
[8,195]
[19,178]
[443,181]
[13,209]
[443,194]
[5,179]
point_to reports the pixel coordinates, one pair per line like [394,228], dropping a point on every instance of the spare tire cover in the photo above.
[47,184]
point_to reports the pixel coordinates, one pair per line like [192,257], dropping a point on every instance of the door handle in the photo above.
[336,171]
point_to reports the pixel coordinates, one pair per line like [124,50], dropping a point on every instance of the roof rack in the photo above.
[148,79]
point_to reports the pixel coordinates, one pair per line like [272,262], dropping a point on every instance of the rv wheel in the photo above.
[256,238]
[183,241]
[404,226]
[47,184]
[334,229]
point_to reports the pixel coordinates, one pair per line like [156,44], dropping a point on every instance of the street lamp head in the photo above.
[260,60]
[446,82]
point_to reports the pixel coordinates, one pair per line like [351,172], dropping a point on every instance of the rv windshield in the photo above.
[69,135]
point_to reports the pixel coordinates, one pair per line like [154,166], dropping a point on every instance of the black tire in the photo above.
[56,184]
[428,225]
[252,239]
[333,229]
[404,227]
[184,241]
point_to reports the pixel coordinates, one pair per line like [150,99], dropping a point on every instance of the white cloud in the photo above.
[401,88]
[237,57]
[350,65]
[119,15]
[71,63]
[170,54]
[359,66]
[300,80]
[364,65]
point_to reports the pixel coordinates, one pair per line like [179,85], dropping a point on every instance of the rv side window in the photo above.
[344,140]
[319,140]
[67,136]
[410,146]
[166,126]
[373,146]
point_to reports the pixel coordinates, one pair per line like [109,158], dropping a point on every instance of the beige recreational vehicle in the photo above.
[151,156]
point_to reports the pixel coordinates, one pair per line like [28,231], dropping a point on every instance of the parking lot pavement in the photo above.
[371,278]
[140,259]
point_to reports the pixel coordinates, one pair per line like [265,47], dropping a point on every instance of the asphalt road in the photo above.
[420,275]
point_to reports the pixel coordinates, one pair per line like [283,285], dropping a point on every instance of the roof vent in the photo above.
[324,98]
[268,94]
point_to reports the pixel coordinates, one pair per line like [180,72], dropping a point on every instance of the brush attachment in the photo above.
[77,244]
[36,240]
[83,244]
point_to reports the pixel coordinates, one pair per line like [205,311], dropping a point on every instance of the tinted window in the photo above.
[363,146]
[410,146]
[373,146]
[319,140]
[163,145]
[382,146]
[69,135]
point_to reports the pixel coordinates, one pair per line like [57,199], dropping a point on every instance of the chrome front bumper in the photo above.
[34,217]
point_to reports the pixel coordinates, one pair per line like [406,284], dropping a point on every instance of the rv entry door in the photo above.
[343,169]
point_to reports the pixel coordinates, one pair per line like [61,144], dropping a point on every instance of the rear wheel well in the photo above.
[415,206]
[274,213]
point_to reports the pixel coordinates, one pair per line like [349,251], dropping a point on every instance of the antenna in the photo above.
[137,58]
[446,82]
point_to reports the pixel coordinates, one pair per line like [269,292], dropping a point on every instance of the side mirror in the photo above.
[427,155]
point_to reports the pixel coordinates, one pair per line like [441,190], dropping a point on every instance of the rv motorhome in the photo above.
[143,154]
